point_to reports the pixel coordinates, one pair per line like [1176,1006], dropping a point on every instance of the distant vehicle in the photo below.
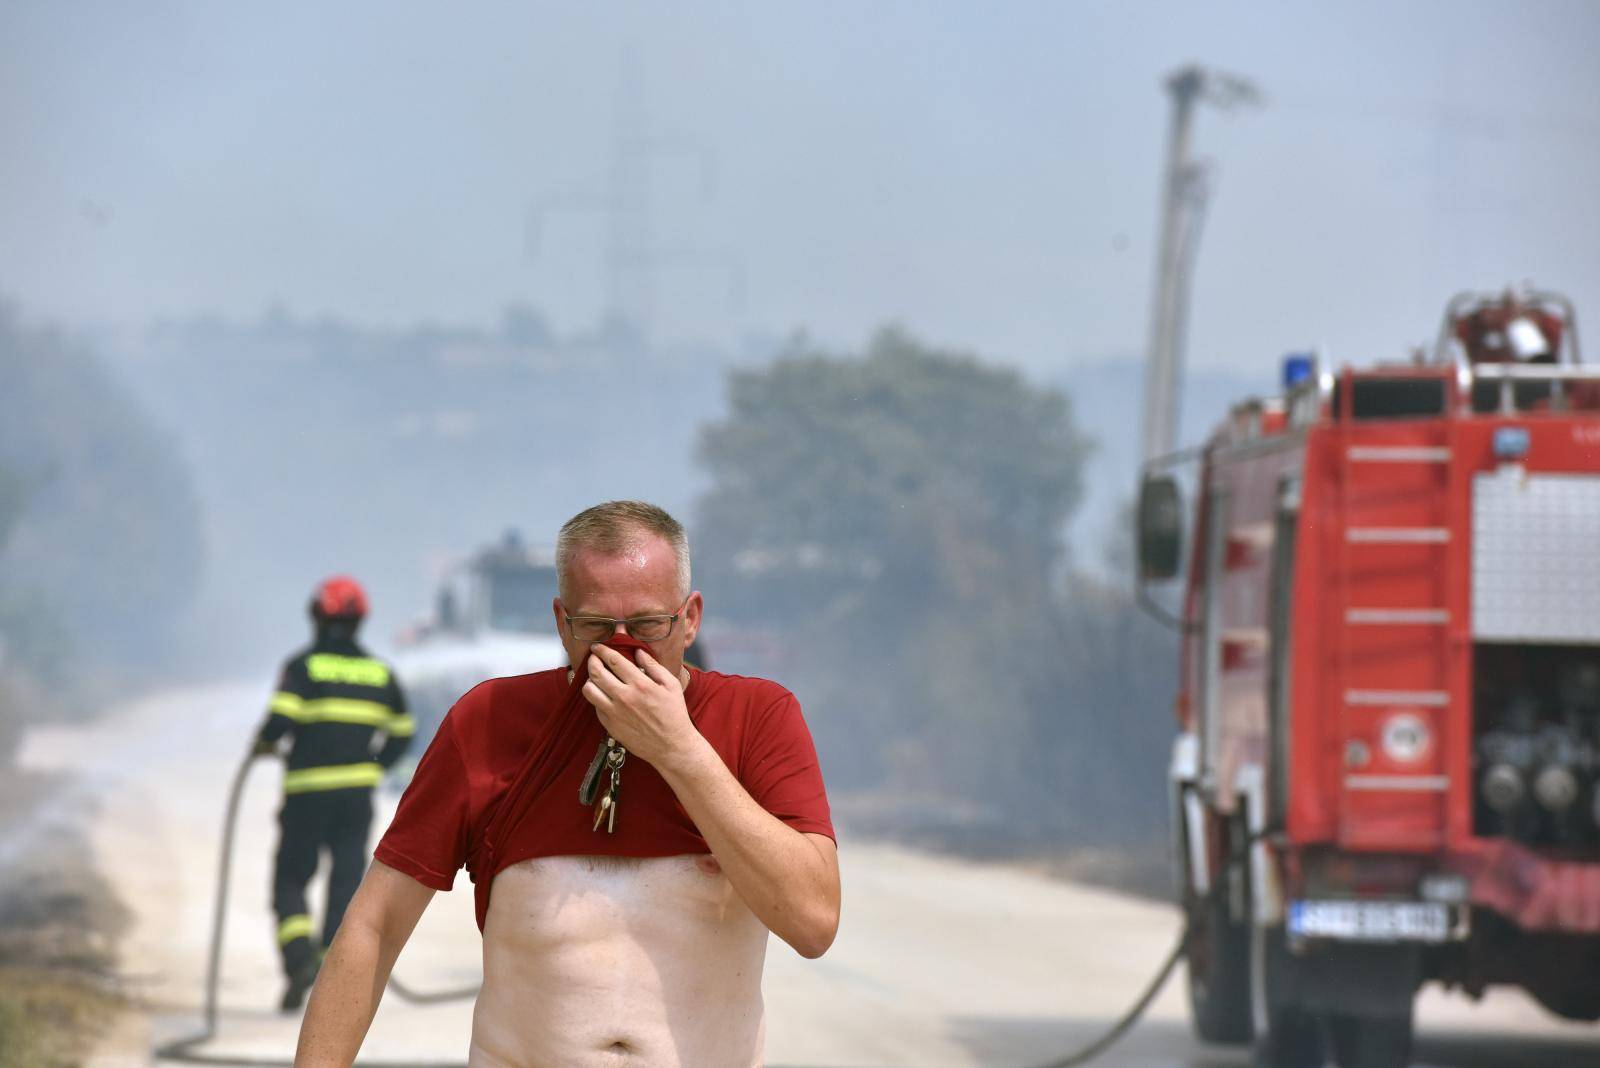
[491,618]
[1387,770]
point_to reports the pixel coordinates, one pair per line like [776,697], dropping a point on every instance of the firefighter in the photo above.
[333,703]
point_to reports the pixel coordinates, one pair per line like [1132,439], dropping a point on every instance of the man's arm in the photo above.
[788,879]
[375,927]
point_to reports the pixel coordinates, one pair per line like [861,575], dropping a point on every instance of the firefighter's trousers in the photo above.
[335,821]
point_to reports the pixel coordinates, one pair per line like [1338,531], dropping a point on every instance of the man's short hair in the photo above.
[614,528]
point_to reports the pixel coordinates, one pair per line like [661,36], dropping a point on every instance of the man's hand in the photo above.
[788,879]
[640,705]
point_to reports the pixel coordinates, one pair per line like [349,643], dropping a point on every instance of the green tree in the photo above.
[897,518]
[908,469]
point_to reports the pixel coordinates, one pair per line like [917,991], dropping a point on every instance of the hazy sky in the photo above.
[985,173]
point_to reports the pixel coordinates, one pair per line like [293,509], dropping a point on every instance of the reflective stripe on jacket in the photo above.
[335,703]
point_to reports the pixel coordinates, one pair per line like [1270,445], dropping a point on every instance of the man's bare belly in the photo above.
[601,961]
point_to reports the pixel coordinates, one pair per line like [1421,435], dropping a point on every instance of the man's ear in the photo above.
[560,613]
[691,617]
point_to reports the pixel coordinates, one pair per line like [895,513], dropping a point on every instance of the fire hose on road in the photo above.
[1113,1034]
[187,1049]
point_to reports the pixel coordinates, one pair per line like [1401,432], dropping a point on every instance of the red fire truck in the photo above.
[1388,765]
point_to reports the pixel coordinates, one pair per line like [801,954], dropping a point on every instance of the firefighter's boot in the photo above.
[300,959]
[300,980]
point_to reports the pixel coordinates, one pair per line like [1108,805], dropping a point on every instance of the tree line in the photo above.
[882,529]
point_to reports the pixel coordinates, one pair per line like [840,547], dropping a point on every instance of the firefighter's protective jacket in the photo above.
[334,700]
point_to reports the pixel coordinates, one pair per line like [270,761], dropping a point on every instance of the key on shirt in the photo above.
[606,811]
[614,760]
[591,778]
[612,795]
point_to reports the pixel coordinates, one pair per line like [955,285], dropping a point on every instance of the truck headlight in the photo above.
[1503,789]
[1556,788]
[1446,887]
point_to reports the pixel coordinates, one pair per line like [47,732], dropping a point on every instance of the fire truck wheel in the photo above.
[1293,1040]
[1219,971]
[1371,1041]
[1287,1035]
[1562,990]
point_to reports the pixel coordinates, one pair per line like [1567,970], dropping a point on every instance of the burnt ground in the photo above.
[59,926]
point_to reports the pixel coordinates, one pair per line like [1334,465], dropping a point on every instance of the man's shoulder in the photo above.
[508,694]
[360,652]
[297,660]
[745,690]
[302,652]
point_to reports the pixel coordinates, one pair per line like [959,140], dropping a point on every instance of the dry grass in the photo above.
[58,928]
[50,1019]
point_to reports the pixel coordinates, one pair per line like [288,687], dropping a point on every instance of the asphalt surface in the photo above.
[939,961]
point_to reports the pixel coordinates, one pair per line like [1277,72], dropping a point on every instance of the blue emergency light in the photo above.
[1297,368]
[1510,442]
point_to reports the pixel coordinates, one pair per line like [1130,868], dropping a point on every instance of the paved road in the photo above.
[938,961]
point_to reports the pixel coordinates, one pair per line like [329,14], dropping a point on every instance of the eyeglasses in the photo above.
[644,628]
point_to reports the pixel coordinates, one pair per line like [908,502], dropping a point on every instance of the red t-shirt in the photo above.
[499,783]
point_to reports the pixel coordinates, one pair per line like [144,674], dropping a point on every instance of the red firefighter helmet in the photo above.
[339,597]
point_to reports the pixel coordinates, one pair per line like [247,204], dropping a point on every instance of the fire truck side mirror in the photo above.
[1160,527]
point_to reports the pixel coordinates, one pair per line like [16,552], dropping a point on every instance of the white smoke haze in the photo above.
[987,177]
[295,289]
[389,281]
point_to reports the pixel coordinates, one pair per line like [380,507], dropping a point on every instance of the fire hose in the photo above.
[186,1049]
[1114,1033]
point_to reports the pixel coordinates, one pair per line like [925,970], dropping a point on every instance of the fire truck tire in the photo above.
[1219,971]
[1371,1041]
[1287,1035]
[1561,995]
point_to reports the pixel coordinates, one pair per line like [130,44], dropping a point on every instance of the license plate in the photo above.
[1370,921]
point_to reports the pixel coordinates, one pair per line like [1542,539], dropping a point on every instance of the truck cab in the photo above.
[491,617]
